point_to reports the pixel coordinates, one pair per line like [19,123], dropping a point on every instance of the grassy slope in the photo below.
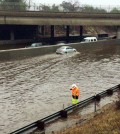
[107,122]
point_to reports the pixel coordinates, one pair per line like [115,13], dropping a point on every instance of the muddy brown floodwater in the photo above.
[34,88]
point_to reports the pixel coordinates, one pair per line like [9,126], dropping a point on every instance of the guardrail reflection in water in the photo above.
[40,124]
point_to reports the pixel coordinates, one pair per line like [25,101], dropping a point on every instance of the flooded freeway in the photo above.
[34,88]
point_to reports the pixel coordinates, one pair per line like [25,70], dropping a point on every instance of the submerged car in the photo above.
[35,45]
[65,50]
[61,43]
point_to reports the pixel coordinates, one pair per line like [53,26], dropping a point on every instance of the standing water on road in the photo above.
[34,88]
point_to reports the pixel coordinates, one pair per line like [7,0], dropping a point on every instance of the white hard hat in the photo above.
[73,85]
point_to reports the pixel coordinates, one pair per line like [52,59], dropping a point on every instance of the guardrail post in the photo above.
[97,99]
[109,92]
[119,86]
[95,106]
[40,125]
[63,114]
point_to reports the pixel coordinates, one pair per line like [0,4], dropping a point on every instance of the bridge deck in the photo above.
[59,18]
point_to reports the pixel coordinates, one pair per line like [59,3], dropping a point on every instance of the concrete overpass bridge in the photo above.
[16,24]
[59,18]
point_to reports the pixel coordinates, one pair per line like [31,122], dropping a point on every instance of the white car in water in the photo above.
[35,45]
[65,50]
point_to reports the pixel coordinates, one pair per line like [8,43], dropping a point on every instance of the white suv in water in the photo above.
[89,39]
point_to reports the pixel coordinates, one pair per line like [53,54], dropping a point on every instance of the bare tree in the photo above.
[13,5]
[70,6]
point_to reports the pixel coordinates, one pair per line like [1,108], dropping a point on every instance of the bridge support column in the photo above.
[12,35]
[67,32]
[43,30]
[81,33]
[52,31]
[37,31]
[118,32]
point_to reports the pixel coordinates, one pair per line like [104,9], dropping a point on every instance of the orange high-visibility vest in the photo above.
[76,91]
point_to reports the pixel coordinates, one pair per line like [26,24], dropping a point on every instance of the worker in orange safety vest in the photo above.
[75,93]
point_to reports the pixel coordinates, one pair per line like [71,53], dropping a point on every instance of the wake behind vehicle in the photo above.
[65,50]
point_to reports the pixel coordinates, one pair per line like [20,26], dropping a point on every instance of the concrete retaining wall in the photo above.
[94,46]
[14,54]
[11,44]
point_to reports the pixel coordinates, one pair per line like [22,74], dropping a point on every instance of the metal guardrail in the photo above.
[40,123]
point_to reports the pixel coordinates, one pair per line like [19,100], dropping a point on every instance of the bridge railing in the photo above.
[40,124]
[16,6]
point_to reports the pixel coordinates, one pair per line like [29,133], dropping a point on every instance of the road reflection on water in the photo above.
[31,89]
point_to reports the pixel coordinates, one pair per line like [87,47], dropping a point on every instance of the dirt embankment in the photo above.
[100,30]
[107,121]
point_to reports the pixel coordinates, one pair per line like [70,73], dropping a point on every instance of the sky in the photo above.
[88,2]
